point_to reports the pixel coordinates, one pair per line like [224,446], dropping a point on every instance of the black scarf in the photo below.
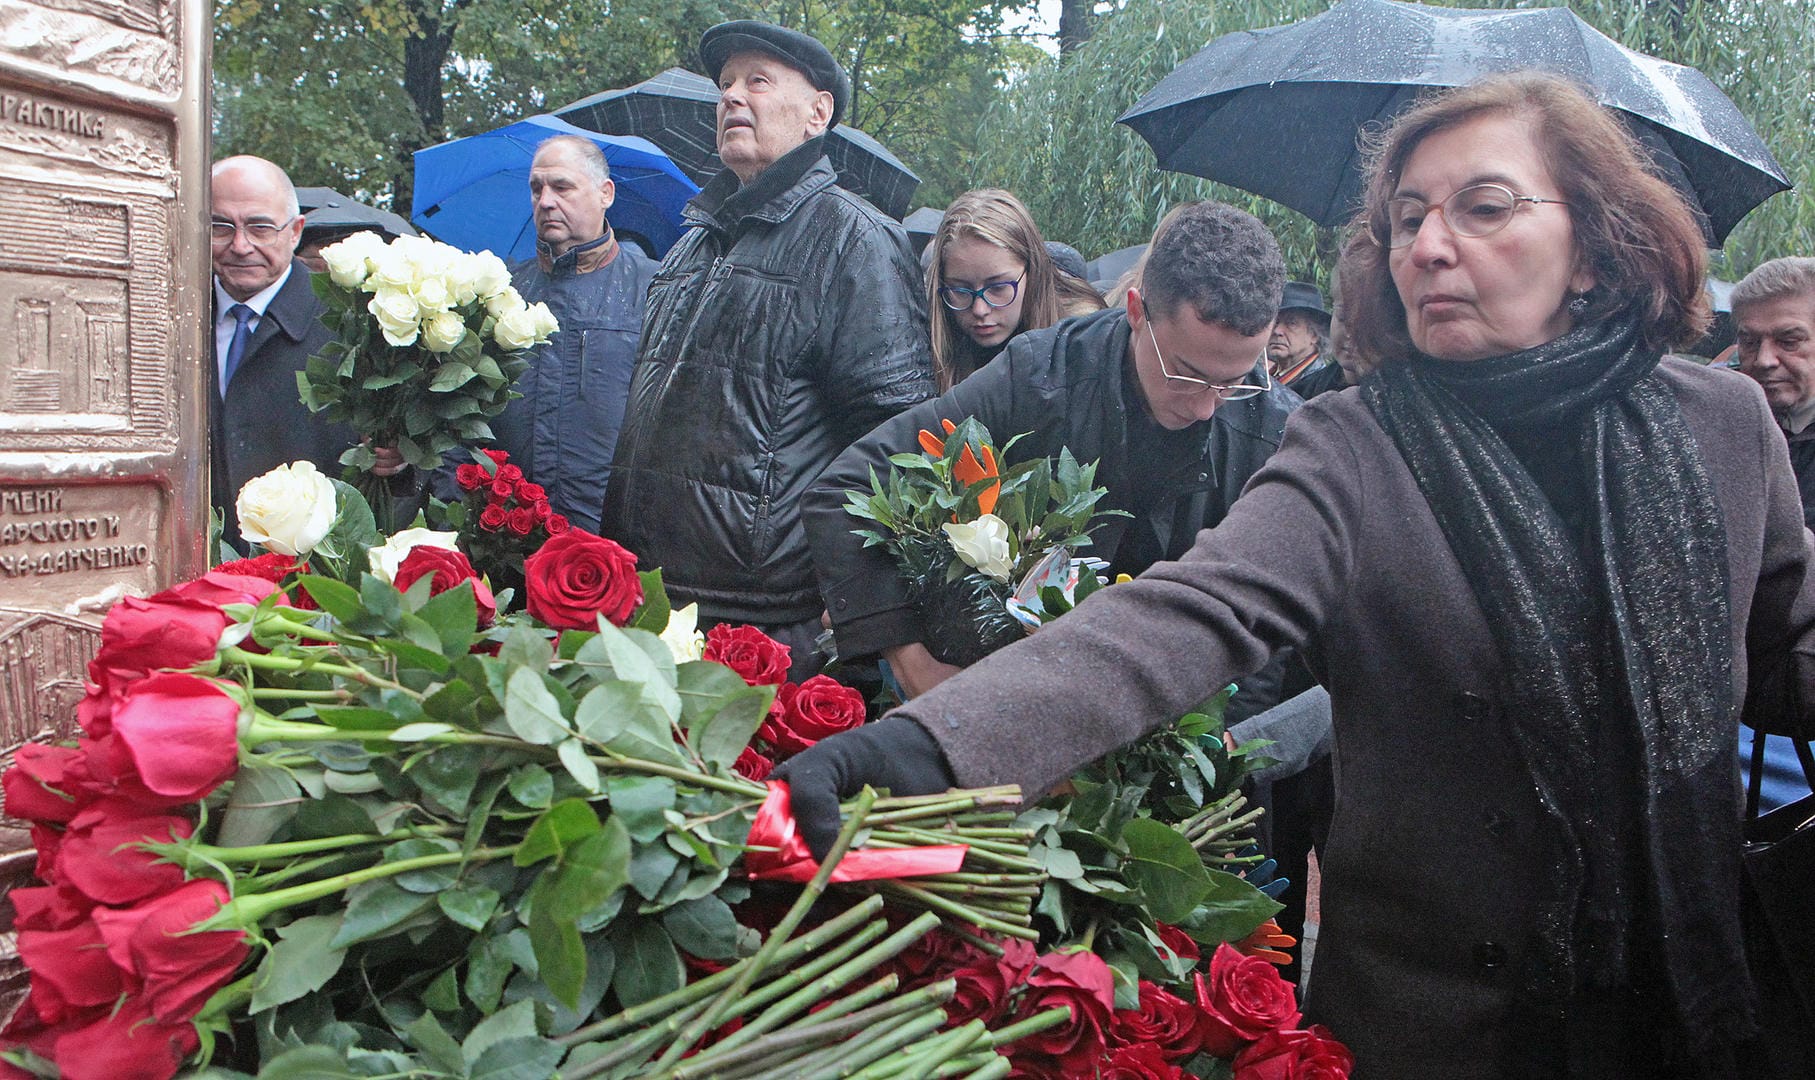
[1617,651]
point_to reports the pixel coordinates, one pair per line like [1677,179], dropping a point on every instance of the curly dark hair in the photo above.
[1220,260]
[1643,243]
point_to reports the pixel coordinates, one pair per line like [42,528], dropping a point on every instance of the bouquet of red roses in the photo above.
[503,517]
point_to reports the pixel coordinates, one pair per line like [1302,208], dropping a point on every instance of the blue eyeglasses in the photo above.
[997,294]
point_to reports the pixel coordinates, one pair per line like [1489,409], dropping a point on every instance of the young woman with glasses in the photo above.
[988,279]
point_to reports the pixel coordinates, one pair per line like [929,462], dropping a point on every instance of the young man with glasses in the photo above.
[1170,395]
[266,326]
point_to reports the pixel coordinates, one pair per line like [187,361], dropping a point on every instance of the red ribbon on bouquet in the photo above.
[774,827]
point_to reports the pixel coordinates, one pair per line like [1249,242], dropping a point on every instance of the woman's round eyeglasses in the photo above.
[1189,384]
[997,294]
[1475,211]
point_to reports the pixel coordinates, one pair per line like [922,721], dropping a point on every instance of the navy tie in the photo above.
[236,349]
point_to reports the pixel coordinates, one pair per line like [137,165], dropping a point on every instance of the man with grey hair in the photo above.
[1774,316]
[266,326]
[787,322]
[564,428]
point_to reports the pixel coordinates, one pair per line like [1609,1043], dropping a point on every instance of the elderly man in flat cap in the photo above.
[786,323]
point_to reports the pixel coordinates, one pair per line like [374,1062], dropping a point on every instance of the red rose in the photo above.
[981,993]
[176,970]
[37,787]
[493,518]
[1164,1020]
[576,577]
[1290,1054]
[96,856]
[757,657]
[1183,945]
[522,520]
[510,474]
[48,907]
[543,510]
[751,765]
[69,970]
[528,492]
[179,735]
[935,955]
[556,524]
[1080,981]
[124,1042]
[219,588]
[502,489]
[498,457]
[1138,1061]
[141,636]
[471,476]
[446,569]
[268,567]
[819,707]
[1242,999]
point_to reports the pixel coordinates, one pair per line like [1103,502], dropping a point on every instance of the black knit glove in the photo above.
[893,753]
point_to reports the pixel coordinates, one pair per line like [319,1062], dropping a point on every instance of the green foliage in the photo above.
[1054,142]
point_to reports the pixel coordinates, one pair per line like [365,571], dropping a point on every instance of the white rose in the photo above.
[391,268]
[491,276]
[432,294]
[288,510]
[463,279]
[983,544]
[442,331]
[386,558]
[504,301]
[516,329]
[398,315]
[348,261]
[682,635]
[546,323]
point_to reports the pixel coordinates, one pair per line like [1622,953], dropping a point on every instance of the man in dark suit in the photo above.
[266,326]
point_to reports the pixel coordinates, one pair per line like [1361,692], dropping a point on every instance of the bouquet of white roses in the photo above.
[428,340]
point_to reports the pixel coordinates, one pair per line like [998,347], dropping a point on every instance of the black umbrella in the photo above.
[921,225]
[1106,270]
[1277,111]
[678,111]
[328,211]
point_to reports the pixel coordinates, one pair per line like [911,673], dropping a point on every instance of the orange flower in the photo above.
[1266,942]
[968,470]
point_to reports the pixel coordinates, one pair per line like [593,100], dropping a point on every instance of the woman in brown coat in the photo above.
[1541,573]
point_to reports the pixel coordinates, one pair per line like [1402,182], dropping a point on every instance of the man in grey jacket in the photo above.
[786,323]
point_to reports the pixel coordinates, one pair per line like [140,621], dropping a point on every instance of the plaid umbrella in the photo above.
[678,111]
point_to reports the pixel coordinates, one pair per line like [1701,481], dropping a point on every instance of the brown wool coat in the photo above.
[1424,918]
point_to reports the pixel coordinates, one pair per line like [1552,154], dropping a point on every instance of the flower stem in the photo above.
[245,912]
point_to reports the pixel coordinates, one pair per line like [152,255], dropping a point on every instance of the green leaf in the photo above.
[651,865]
[454,617]
[639,662]
[653,614]
[730,729]
[607,710]
[585,773]
[518,1059]
[1166,869]
[525,646]
[563,825]
[531,710]
[382,600]
[1230,911]
[450,376]
[488,966]
[560,951]
[595,868]
[704,688]
[648,965]
[356,717]
[641,803]
[331,815]
[443,994]
[601,962]
[513,1022]
[449,774]
[308,1063]
[431,879]
[705,927]
[353,531]
[299,964]
[426,1034]
[471,906]
[376,908]
[334,597]
[264,800]
[532,786]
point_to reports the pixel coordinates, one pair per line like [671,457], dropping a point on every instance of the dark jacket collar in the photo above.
[579,259]
[294,309]
[776,192]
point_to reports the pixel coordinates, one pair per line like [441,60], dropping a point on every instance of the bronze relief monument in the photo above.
[104,297]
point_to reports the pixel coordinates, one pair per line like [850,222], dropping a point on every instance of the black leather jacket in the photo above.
[786,323]
[1066,387]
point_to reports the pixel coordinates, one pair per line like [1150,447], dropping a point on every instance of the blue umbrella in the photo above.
[474,192]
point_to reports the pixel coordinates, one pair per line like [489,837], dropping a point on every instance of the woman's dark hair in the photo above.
[1633,231]
[995,217]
